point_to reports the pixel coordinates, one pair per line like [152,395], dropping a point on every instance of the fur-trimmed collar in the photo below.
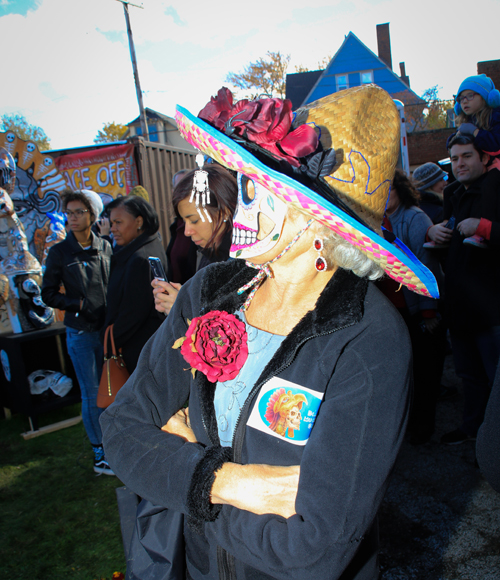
[341,304]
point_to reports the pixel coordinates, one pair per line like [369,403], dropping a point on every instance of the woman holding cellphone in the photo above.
[134,225]
[213,238]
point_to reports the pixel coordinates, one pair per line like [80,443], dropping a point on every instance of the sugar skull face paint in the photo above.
[258,221]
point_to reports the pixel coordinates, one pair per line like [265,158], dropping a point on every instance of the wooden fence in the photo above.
[157,164]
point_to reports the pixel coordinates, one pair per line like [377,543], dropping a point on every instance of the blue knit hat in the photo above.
[482,85]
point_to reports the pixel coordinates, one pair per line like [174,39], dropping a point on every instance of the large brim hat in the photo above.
[361,125]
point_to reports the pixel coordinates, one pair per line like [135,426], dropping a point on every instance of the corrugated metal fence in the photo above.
[157,164]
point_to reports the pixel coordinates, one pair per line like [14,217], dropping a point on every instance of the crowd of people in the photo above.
[461,247]
[100,275]
[272,382]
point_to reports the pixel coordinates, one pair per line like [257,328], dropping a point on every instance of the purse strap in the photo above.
[106,335]
[113,348]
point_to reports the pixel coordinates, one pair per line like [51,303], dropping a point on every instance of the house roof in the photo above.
[151,114]
[298,86]
[352,57]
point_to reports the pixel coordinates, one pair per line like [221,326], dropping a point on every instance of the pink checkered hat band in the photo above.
[406,270]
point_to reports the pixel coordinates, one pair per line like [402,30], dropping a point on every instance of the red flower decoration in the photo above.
[266,122]
[216,345]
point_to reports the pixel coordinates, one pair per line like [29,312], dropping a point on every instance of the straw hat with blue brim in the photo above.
[335,163]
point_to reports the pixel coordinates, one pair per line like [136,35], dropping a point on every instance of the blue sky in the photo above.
[17,6]
[68,64]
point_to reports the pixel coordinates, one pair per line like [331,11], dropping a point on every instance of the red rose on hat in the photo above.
[216,345]
[266,122]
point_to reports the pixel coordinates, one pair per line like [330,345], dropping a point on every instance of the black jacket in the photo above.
[354,349]
[181,254]
[192,258]
[85,275]
[432,204]
[130,296]
[472,280]
[211,256]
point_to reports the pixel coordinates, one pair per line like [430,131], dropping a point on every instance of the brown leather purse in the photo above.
[114,372]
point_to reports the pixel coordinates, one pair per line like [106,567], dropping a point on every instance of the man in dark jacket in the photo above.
[472,282]
[81,264]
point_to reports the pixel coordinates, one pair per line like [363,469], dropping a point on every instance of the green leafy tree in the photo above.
[435,116]
[110,132]
[24,130]
[263,77]
[429,115]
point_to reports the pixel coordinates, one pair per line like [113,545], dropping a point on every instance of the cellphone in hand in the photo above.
[451,223]
[157,269]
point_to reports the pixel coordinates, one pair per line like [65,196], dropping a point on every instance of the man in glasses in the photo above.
[81,264]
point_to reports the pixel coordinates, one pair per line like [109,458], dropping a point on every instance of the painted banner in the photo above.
[37,190]
[40,179]
[109,171]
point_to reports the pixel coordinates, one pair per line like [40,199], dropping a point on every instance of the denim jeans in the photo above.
[86,352]
[476,357]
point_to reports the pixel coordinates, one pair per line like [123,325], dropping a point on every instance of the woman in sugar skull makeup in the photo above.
[300,368]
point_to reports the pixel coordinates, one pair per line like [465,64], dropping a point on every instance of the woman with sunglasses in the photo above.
[81,264]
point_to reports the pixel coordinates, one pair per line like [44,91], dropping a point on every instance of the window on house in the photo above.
[366,77]
[342,82]
[152,130]
[153,133]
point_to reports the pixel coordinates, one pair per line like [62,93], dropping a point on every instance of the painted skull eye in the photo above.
[247,190]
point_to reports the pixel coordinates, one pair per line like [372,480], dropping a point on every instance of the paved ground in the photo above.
[440,519]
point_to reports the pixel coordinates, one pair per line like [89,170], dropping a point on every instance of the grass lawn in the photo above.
[58,519]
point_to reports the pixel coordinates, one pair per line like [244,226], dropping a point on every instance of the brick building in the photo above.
[490,68]
[424,146]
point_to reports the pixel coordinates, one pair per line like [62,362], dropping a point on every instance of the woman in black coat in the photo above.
[134,225]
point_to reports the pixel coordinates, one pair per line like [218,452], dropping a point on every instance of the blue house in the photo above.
[353,65]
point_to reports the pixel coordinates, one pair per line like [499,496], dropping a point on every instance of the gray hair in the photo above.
[346,256]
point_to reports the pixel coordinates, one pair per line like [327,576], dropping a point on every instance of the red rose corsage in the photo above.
[216,345]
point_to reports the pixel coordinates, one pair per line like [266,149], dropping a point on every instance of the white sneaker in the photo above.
[102,467]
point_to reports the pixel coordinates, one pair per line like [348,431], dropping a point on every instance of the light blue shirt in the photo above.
[230,396]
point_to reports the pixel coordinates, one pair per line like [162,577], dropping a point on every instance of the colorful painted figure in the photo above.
[283,412]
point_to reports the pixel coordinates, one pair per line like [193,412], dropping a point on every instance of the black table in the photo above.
[20,355]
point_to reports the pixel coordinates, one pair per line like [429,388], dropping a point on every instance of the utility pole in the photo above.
[142,115]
